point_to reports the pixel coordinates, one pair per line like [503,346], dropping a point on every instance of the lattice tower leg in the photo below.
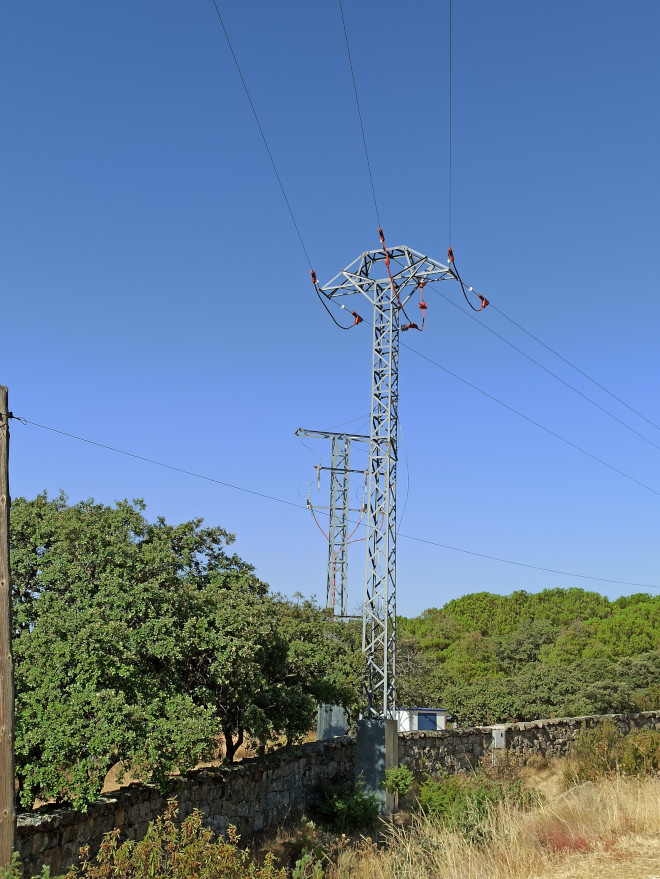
[379,612]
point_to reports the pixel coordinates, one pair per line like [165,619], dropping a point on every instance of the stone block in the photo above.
[52,857]
[38,843]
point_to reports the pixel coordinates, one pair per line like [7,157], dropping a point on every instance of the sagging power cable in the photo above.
[26,421]
[272,160]
[357,319]
[454,271]
[357,103]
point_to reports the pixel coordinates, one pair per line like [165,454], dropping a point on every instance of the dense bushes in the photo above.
[603,751]
[465,803]
[559,653]
[345,808]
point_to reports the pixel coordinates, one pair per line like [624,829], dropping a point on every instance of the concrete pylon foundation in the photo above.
[376,751]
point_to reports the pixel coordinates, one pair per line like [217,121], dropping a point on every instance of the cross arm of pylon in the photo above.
[366,274]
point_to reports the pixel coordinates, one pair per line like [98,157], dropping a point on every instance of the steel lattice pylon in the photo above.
[339,509]
[409,270]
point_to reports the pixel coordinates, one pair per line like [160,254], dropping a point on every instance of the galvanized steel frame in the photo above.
[409,269]
[339,509]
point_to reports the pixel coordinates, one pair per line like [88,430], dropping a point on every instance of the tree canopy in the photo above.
[140,642]
[560,652]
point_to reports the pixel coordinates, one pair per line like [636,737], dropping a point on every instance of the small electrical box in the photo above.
[499,737]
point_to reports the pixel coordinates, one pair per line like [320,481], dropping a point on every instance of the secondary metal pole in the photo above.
[7,796]
[339,509]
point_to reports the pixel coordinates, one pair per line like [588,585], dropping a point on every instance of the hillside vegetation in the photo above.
[561,652]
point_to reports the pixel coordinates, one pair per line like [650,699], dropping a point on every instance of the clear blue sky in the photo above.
[156,297]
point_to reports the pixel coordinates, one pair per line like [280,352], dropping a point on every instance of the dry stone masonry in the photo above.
[262,792]
[453,750]
[251,795]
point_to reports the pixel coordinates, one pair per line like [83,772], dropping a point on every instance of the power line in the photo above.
[450,136]
[530,420]
[405,501]
[549,371]
[527,418]
[272,162]
[524,564]
[83,439]
[301,507]
[261,131]
[357,102]
[576,368]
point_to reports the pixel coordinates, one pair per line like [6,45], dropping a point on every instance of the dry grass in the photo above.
[610,829]
[115,780]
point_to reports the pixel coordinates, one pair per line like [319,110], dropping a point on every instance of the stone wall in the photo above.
[552,738]
[451,750]
[447,750]
[262,792]
[252,795]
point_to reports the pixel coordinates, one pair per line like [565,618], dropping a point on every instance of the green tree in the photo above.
[420,677]
[472,656]
[139,642]
[524,644]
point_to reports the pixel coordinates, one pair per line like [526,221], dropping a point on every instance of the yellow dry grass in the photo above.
[611,829]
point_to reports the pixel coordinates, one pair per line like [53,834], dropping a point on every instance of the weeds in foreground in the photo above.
[346,808]
[13,871]
[603,830]
[604,751]
[465,804]
[176,852]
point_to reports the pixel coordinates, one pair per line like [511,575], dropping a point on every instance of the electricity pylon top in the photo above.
[406,272]
[410,268]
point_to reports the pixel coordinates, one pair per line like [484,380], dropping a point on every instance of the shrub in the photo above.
[13,871]
[346,808]
[398,781]
[178,852]
[594,753]
[464,804]
[640,752]
[604,750]
[310,863]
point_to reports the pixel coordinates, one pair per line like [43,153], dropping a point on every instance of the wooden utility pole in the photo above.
[7,795]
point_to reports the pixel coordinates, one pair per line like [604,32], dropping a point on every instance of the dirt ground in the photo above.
[112,782]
